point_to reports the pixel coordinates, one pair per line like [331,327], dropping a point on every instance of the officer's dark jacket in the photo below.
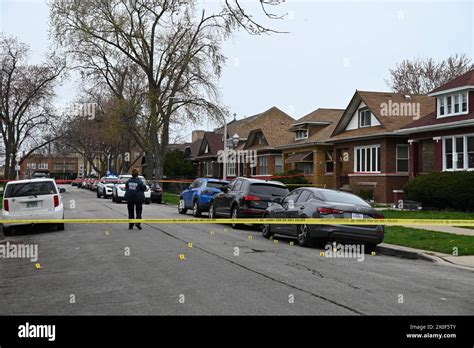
[134,190]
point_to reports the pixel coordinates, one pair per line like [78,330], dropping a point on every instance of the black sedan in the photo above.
[246,198]
[308,202]
[156,193]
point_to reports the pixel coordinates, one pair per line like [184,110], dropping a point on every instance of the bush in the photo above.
[367,195]
[445,190]
[296,179]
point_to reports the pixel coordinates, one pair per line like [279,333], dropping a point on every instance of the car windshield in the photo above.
[215,184]
[342,197]
[268,190]
[30,189]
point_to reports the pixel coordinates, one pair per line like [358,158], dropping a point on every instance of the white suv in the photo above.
[118,191]
[105,186]
[35,199]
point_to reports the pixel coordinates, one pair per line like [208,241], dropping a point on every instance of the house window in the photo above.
[452,104]
[364,118]
[402,158]
[458,153]
[328,163]
[231,168]
[43,166]
[206,150]
[464,102]
[301,134]
[261,139]
[278,164]
[209,168]
[367,159]
[305,167]
[263,165]
[441,106]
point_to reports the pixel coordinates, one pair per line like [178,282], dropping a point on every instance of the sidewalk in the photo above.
[445,229]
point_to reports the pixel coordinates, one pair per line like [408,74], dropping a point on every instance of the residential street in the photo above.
[90,263]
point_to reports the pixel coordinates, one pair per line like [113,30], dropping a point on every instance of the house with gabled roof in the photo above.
[444,139]
[368,152]
[308,149]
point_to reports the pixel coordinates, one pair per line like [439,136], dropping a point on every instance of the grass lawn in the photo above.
[170,198]
[422,214]
[429,240]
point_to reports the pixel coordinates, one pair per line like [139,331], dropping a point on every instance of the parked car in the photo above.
[246,198]
[34,199]
[118,191]
[105,186]
[199,195]
[156,193]
[75,182]
[308,202]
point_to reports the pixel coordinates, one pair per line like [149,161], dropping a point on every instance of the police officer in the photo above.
[135,196]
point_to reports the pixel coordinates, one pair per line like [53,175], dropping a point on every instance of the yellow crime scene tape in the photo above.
[386,222]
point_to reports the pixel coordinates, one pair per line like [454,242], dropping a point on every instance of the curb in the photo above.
[417,254]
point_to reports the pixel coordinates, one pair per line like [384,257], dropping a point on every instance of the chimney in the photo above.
[197,134]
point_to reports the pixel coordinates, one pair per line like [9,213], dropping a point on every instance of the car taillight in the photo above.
[378,216]
[56,200]
[327,211]
[251,198]
[5,205]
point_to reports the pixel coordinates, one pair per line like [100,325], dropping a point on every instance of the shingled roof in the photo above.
[464,80]
[374,101]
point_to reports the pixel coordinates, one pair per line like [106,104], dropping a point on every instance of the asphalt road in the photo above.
[85,270]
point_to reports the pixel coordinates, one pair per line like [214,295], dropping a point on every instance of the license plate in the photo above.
[357,216]
[31,204]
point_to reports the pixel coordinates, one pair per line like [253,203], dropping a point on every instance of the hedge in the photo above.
[444,190]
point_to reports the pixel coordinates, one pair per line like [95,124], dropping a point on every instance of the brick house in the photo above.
[368,152]
[444,140]
[264,142]
[60,167]
[206,155]
[308,150]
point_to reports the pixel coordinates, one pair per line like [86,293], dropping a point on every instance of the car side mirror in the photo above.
[62,190]
[224,188]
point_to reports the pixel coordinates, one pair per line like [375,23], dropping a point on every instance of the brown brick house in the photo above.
[206,155]
[444,140]
[264,142]
[368,152]
[61,167]
[308,149]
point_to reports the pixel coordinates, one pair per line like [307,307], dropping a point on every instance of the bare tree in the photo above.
[25,100]
[175,45]
[420,76]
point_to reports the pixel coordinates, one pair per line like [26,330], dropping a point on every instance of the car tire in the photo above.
[234,214]
[5,230]
[118,200]
[267,230]
[147,201]
[98,194]
[59,227]
[159,200]
[182,207]
[369,248]
[212,212]
[304,238]
[196,210]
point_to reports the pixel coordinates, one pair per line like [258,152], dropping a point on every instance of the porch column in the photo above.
[438,153]
[413,167]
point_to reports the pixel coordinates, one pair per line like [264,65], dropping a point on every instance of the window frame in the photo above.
[358,159]
[462,98]
[397,158]
[454,159]
[259,168]
[365,111]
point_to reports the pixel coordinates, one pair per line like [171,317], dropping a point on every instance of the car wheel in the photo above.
[196,210]
[212,212]
[147,201]
[234,214]
[98,194]
[181,207]
[369,248]
[118,200]
[267,230]
[60,227]
[304,238]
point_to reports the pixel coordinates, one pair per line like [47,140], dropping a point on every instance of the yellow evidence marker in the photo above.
[182,257]
[190,245]
[37,266]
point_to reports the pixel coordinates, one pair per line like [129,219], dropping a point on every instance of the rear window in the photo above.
[30,189]
[215,184]
[342,197]
[268,190]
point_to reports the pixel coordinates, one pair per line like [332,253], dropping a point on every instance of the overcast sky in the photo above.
[332,49]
